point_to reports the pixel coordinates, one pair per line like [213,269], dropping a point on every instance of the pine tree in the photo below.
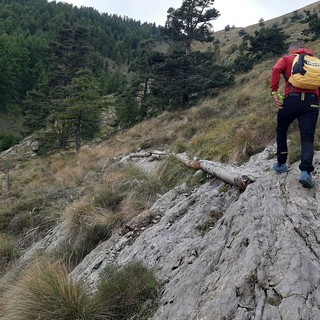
[80,118]
[191,22]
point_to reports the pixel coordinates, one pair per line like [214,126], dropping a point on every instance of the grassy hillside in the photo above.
[229,39]
[94,195]
[231,127]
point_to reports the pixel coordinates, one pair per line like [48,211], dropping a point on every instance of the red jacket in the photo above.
[283,67]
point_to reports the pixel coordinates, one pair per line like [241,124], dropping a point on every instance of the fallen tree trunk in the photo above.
[227,173]
[230,174]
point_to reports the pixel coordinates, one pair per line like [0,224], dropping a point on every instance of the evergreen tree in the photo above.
[267,42]
[191,22]
[13,67]
[62,62]
[37,108]
[127,107]
[313,21]
[145,67]
[81,49]
[182,79]
[81,115]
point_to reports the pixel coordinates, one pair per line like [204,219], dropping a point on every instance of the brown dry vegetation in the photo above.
[94,195]
[237,123]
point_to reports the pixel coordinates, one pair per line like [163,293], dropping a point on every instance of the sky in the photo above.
[238,13]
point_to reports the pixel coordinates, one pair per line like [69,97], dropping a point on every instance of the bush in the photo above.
[127,109]
[124,292]
[243,64]
[7,140]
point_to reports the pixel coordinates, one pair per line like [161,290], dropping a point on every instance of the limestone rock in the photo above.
[222,254]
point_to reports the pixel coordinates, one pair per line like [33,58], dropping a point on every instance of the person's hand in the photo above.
[278,101]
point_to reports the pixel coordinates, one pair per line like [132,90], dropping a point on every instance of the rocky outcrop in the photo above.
[222,254]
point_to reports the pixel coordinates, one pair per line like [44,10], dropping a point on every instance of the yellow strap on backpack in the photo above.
[305,73]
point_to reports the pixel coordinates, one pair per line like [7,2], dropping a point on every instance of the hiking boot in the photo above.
[280,168]
[306,180]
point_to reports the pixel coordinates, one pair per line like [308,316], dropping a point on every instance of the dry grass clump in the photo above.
[125,192]
[142,188]
[109,197]
[46,292]
[174,172]
[31,208]
[128,185]
[86,228]
[68,169]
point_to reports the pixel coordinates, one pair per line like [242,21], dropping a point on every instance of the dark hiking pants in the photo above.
[298,106]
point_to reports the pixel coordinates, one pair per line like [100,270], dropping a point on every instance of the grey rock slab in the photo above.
[221,254]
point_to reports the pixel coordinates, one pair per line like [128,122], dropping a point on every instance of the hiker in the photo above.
[300,104]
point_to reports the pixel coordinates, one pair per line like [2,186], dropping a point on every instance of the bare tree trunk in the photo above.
[231,174]
[225,172]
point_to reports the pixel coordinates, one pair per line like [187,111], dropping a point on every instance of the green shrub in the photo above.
[124,292]
[7,140]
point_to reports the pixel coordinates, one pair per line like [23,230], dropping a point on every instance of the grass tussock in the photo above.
[174,172]
[31,208]
[86,228]
[9,251]
[142,188]
[124,192]
[130,291]
[46,292]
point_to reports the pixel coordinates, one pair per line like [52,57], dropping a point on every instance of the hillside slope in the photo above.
[218,253]
[228,255]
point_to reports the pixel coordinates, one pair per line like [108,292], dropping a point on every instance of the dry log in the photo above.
[157,152]
[140,155]
[228,173]
[193,164]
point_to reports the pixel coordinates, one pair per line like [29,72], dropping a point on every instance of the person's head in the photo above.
[296,45]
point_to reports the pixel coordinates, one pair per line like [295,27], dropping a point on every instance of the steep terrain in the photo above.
[228,255]
[219,253]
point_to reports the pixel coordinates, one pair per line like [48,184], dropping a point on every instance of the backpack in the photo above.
[305,72]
